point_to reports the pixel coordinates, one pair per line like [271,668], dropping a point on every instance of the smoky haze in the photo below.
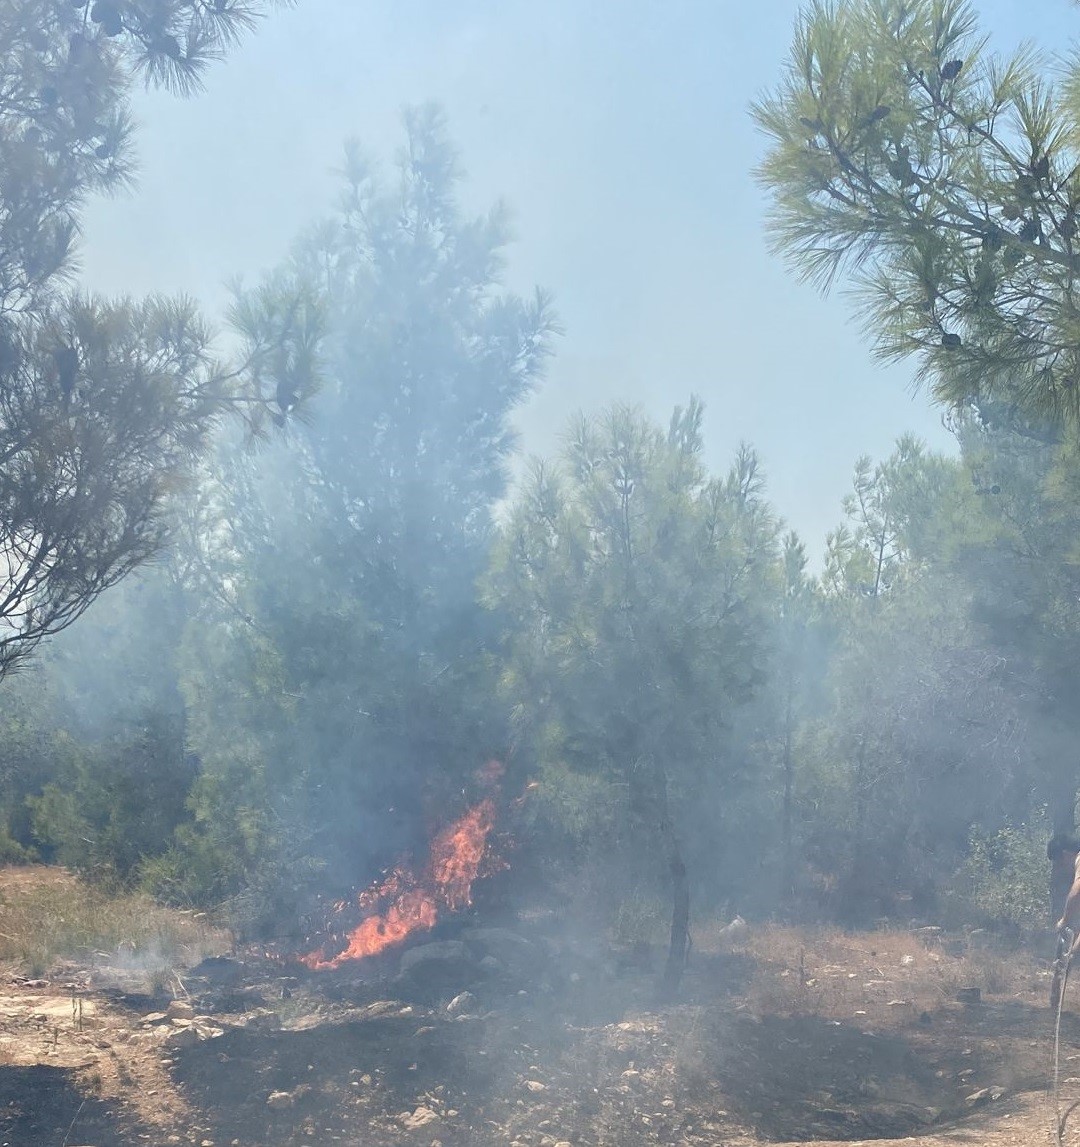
[576,694]
[619,137]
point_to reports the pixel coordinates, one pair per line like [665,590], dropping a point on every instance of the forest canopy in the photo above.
[305,602]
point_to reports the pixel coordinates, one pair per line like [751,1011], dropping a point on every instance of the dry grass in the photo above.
[48,915]
[884,976]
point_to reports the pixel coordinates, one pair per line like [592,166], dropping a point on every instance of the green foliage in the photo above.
[31,753]
[104,407]
[339,690]
[946,178]
[11,851]
[895,521]
[921,733]
[118,804]
[1005,873]
[635,588]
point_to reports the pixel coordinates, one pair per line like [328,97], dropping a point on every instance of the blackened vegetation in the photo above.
[40,1105]
[594,1058]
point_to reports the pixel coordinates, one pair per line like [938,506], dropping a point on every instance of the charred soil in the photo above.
[536,1036]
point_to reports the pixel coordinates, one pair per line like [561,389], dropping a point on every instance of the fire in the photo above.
[456,854]
[405,902]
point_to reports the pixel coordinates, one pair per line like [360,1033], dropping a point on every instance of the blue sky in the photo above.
[618,133]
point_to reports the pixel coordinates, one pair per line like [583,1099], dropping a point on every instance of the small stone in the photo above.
[182,1037]
[420,1117]
[535,1085]
[277,1100]
[462,1002]
[180,1009]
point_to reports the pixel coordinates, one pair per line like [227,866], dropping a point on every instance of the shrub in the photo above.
[1005,873]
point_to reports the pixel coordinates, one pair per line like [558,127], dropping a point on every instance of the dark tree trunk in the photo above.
[787,874]
[648,792]
[679,947]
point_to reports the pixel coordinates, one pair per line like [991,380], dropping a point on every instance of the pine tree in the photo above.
[103,405]
[947,180]
[636,589]
[347,695]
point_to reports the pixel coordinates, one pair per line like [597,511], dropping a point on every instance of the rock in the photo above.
[491,967]
[184,1037]
[155,1018]
[438,952]
[978,1098]
[438,968]
[516,954]
[180,1009]
[462,1002]
[380,1008]
[422,1116]
[277,1100]
[535,1085]
[220,969]
[262,1019]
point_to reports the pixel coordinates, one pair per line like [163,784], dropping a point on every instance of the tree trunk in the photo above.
[648,794]
[787,872]
[679,947]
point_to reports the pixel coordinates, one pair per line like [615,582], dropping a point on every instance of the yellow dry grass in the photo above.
[48,915]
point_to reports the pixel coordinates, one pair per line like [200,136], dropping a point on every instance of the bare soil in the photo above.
[804,1036]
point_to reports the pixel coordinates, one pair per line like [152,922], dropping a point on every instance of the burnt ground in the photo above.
[804,1036]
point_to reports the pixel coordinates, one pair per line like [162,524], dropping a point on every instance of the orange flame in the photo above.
[412,902]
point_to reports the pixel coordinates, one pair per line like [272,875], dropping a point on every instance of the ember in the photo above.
[405,902]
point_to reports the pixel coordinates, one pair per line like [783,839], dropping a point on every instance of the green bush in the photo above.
[115,803]
[1005,873]
[11,851]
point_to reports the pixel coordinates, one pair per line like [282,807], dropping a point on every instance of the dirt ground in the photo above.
[798,1037]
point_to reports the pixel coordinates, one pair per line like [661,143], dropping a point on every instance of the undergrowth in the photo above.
[48,915]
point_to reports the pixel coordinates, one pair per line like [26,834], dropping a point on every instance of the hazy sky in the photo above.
[617,131]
